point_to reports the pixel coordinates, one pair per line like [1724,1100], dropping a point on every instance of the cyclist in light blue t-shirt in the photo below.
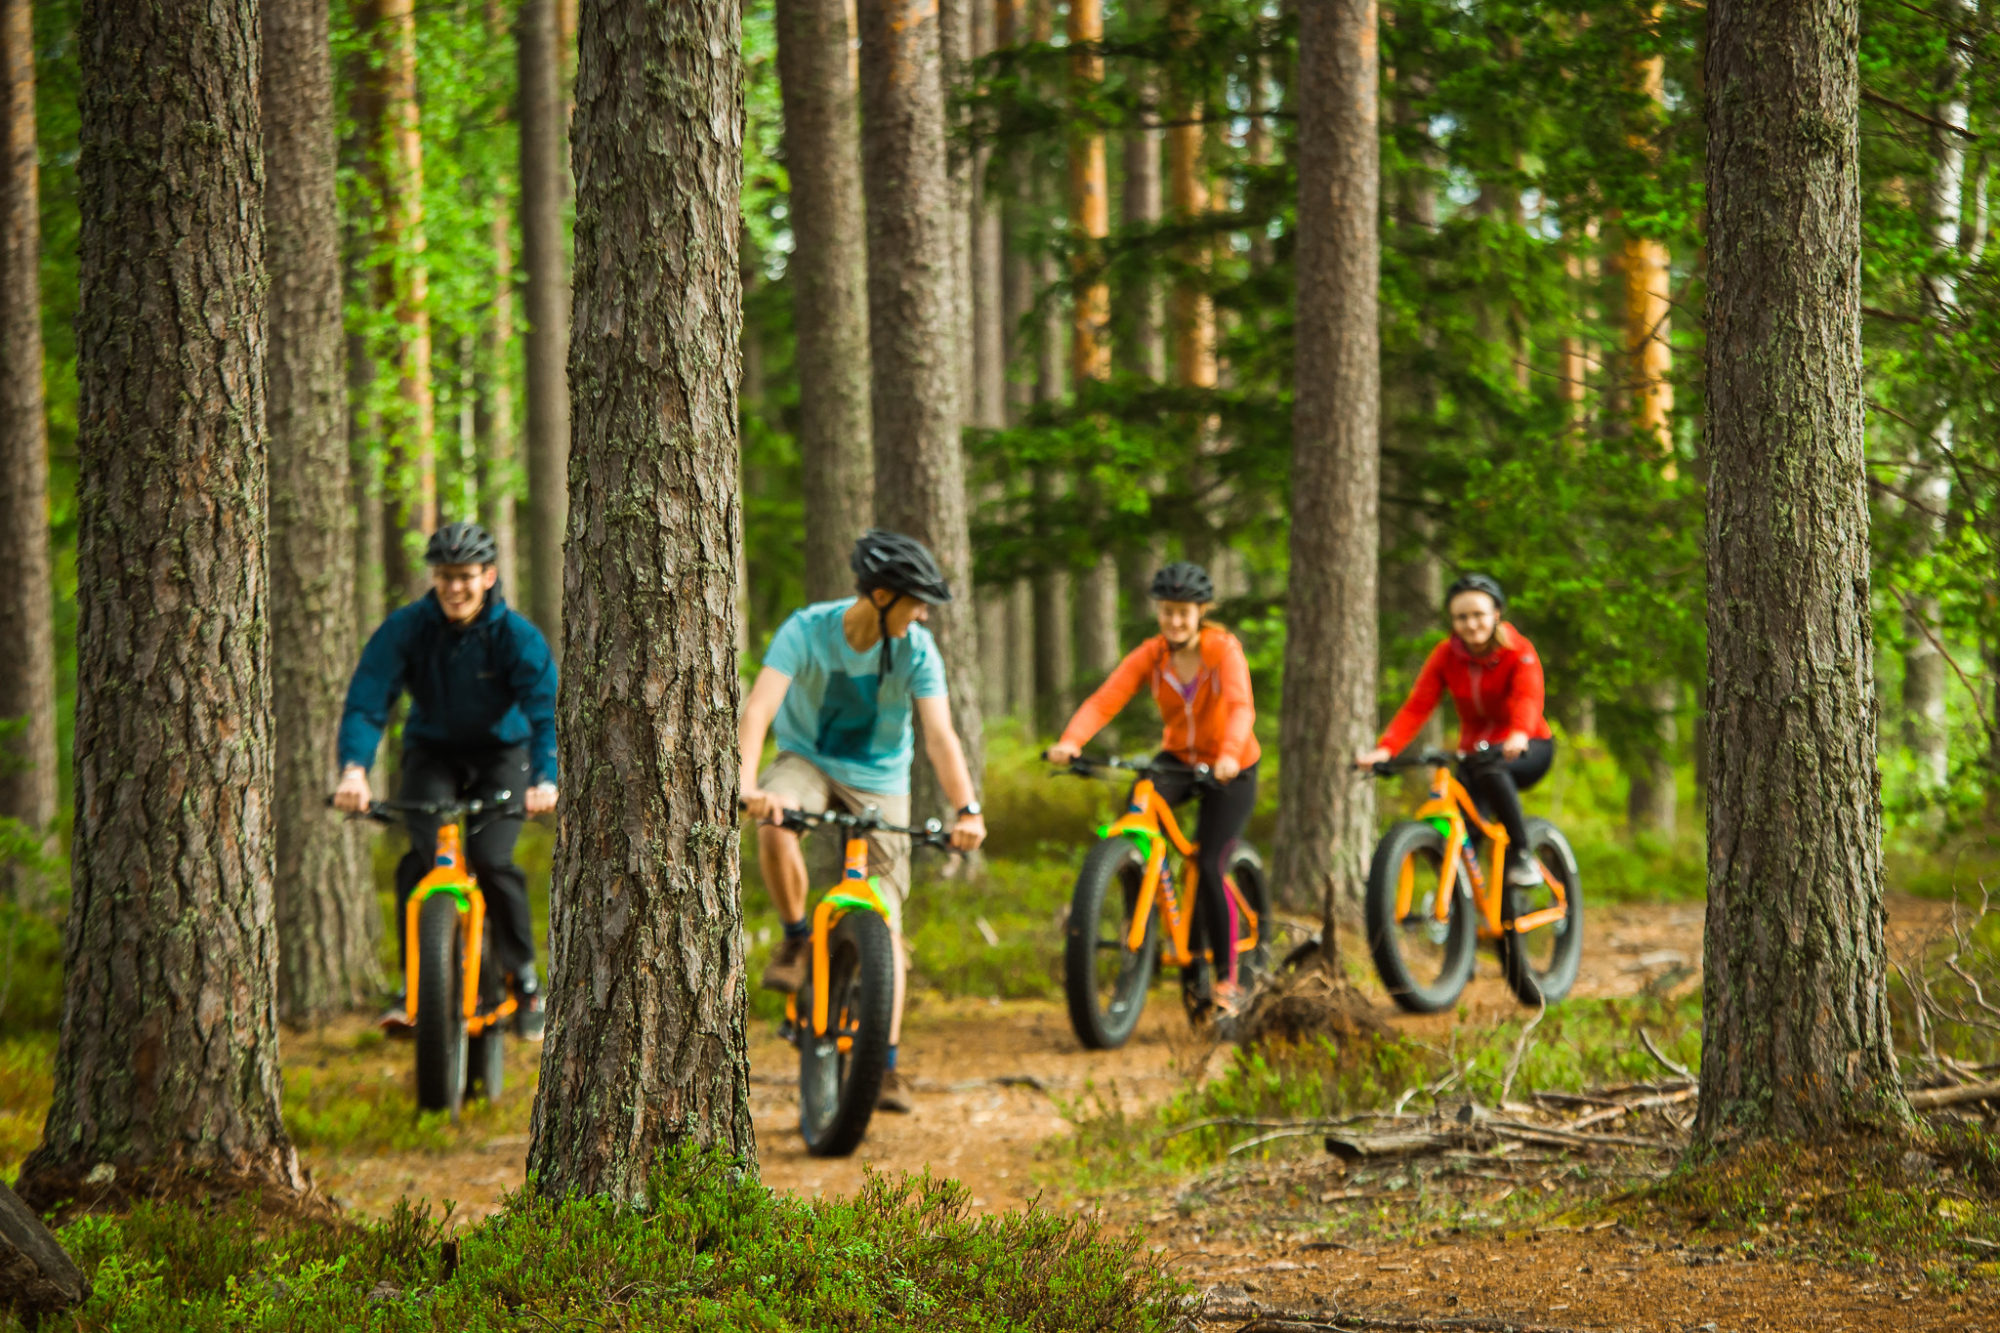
[839,687]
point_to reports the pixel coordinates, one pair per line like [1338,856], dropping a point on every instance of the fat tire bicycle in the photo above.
[840,1018]
[1429,904]
[458,1005]
[1124,897]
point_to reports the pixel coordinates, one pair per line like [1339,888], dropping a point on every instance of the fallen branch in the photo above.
[1646,1040]
[1930,1099]
[1520,1049]
[1626,1108]
[1355,1147]
[36,1275]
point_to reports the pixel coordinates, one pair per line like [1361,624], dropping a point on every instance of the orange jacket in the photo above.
[1211,720]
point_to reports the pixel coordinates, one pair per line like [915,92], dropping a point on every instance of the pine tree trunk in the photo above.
[1794,816]
[1190,312]
[829,268]
[1089,204]
[364,476]
[913,339]
[954,54]
[500,465]
[1326,818]
[327,918]
[1020,654]
[1141,346]
[28,764]
[646,1033]
[989,330]
[546,298]
[1924,666]
[167,1067]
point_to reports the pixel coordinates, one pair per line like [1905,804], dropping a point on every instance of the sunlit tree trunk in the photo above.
[28,766]
[386,108]
[1326,819]
[166,1071]
[1651,803]
[546,302]
[327,918]
[913,340]
[494,425]
[829,268]
[1795,1015]
[989,328]
[1190,313]
[646,1038]
[1924,665]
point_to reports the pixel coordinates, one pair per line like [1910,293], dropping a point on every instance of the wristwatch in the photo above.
[969,808]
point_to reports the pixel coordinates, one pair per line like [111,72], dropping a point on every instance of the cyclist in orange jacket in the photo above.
[1202,684]
[1495,679]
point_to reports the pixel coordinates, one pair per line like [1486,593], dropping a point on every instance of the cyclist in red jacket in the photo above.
[1495,679]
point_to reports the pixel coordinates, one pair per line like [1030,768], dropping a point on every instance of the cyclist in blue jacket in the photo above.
[482,687]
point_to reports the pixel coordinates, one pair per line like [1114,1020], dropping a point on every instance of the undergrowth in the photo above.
[710,1249]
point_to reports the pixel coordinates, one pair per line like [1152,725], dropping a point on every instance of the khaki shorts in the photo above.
[798,784]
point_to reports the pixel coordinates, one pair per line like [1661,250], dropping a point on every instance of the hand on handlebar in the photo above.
[1381,754]
[353,796]
[968,833]
[1060,753]
[540,798]
[761,805]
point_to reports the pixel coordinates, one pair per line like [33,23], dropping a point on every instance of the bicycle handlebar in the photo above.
[932,833]
[1083,767]
[1482,753]
[398,812]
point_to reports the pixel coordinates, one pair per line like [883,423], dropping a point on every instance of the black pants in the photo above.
[449,775]
[1217,828]
[1497,788]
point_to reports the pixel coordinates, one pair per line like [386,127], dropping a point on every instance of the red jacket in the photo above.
[1498,693]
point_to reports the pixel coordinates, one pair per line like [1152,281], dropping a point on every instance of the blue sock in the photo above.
[798,930]
[892,1057]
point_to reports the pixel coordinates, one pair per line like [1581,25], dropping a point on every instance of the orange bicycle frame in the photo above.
[1150,820]
[448,875]
[856,892]
[1451,806]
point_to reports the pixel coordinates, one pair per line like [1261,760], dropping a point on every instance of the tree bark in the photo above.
[546,298]
[326,913]
[1795,1016]
[28,763]
[1141,347]
[646,1033]
[989,329]
[1326,817]
[1089,205]
[1190,312]
[167,1067]
[919,462]
[829,268]
[954,54]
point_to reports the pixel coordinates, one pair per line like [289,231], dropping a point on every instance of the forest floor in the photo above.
[1003,1092]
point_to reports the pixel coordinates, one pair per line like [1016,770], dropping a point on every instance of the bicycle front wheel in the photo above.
[1423,962]
[1541,963]
[1246,872]
[840,1073]
[1104,978]
[441,1040]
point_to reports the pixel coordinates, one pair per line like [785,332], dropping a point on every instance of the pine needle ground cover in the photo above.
[710,1249]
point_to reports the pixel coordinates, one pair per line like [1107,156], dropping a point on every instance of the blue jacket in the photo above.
[492,683]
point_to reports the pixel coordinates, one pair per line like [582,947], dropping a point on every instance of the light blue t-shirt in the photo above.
[839,713]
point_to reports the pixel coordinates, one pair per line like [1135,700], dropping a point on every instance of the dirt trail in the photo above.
[993,1079]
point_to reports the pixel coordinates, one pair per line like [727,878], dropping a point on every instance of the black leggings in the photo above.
[1217,828]
[1497,789]
[449,775]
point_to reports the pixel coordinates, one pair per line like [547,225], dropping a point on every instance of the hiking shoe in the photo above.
[530,1017]
[395,1020]
[790,963]
[1524,873]
[895,1094]
[1229,999]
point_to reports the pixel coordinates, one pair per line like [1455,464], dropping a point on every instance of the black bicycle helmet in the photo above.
[884,559]
[1485,583]
[903,565]
[1183,581]
[461,544]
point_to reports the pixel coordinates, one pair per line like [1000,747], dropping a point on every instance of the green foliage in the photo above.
[709,1249]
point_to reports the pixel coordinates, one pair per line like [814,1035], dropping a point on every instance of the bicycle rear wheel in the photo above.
[1104,978]
[1541,964]
[1423,962]
[441,1039]
[838,1087]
